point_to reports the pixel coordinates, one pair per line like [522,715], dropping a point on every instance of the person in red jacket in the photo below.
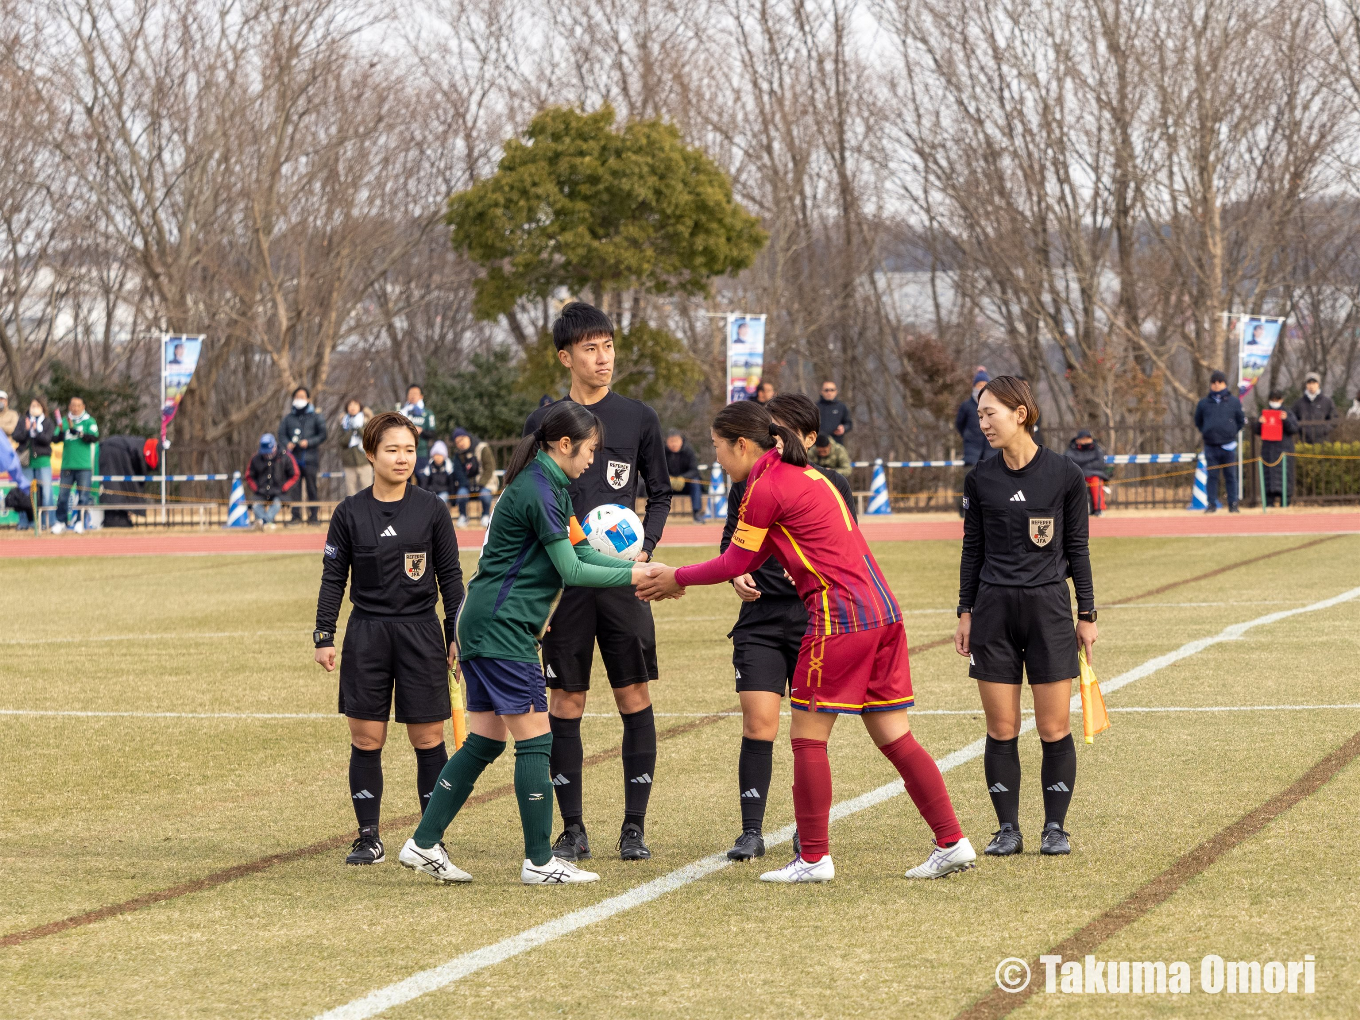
[271,473]
[853,659]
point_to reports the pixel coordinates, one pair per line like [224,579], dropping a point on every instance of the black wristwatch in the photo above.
[1087,617]
[961,610]
[323,638]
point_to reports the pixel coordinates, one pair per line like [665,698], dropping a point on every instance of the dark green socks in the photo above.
[455,782]
[534,791]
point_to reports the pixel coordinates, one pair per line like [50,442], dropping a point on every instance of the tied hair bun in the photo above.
[774,430]
[541,434]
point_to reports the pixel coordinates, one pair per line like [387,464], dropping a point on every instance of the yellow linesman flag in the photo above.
[1094,718]
[459,712]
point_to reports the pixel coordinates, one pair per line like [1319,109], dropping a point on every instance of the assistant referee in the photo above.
[1024,534]
[395,544]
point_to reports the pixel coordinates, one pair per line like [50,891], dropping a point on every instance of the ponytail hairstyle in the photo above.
[1013,393]
[565,419]
[796,411]
[745,419]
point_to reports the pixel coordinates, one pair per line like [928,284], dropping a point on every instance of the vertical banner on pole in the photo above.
[1256,339]
[179,358]
[745,355]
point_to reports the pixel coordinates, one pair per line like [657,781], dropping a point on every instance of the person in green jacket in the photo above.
[829,454]
[79,435]
[534,546]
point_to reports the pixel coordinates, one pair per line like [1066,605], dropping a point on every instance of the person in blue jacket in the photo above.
[1219,418]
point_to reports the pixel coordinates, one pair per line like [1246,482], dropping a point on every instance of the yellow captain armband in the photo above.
[748,537]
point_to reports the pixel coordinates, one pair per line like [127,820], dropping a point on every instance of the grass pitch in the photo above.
[99,809]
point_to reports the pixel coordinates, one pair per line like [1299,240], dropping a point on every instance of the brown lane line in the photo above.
[997,1004]
[1231,566]
[254,867]
[1174,584]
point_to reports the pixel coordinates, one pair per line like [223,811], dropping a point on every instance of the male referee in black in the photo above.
[393,541]
[633,451]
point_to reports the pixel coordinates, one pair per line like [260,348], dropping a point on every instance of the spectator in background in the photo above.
[830,455]
[78,434]
[9,418]
[1086,453]
[544,400]
[270,474]
[1314,411]
[18,498]
[33,436]
[303,431]
[479,465]
[441,475]
[682,464]
[1219,419]
[835,415]
[358,471]
[764,392]
[1277,428]
[1354,411]
[422,418]
[975,445]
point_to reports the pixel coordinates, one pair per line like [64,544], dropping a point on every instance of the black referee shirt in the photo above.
[769,576]
[1025,528]
[395,553]
[633,451]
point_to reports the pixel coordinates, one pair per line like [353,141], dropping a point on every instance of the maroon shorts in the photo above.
[866,671]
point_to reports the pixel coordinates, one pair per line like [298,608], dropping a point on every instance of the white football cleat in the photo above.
[433,862]
[799,870]
[556,872]
[945,861]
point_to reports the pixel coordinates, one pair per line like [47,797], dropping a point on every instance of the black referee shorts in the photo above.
[766,642]
[405,657]
[1023,627]
[618,620]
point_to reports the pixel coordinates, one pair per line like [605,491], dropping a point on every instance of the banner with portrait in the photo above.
[179,358]
[745,355]
[1256,342]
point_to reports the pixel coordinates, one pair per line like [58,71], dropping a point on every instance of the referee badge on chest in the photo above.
[1041,530]
[415,565]
[616,473]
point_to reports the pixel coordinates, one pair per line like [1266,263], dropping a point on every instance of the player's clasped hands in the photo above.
[657,582]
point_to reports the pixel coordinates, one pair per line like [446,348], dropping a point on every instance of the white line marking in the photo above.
[174,715]
[299,632]
[426,981]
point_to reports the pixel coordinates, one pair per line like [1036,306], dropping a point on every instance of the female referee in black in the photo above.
[394,542]
[1024,534]
[766,641]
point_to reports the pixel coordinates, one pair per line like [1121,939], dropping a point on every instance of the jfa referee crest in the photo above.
[415,565]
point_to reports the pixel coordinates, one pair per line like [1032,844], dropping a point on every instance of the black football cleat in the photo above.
[631,846]
[572,845]
[367,849]
[1054,842]
[749,844]
[1005,842]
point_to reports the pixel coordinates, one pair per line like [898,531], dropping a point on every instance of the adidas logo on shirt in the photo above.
[391,532]
[645,778]
[1058,787]
[561,780]
[752,794]
[1019,497]
[362,795]
[997,788]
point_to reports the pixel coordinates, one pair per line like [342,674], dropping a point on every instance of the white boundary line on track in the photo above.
[425,981]
[660,715]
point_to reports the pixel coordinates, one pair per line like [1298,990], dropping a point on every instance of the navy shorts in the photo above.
[504,687]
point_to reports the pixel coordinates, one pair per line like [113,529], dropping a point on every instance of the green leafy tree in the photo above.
[486,398]
[602,212]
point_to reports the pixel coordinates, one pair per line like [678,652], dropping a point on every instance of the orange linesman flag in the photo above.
[1094,718]
[459,711]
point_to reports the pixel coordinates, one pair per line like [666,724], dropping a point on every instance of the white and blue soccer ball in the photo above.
[614,530]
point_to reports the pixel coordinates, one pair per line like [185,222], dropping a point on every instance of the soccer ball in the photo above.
[614,530]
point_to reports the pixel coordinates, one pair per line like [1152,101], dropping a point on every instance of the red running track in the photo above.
[895,529]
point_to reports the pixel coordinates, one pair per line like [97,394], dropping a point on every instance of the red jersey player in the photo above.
[853,660]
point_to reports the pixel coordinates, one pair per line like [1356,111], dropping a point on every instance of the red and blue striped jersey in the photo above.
[796,515]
